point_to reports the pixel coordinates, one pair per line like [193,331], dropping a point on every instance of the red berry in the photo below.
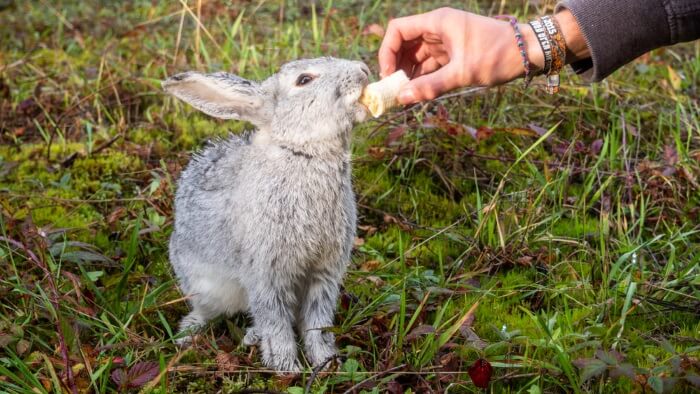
[480,372]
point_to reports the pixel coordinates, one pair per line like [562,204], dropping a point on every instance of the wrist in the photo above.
[532,47]
[576,45]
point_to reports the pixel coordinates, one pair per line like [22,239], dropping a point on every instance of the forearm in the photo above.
[618,31]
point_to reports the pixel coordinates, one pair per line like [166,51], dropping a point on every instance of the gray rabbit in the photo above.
[265,223]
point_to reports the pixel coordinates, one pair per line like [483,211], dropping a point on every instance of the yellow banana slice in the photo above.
[380,96]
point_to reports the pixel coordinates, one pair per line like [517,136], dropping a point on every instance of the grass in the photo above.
[562,244]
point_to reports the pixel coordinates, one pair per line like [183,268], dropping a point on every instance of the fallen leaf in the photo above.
[22,347]
[369,230]
[518,131]
[674,78]
[395,135]
[596,146]
[226,362]
[394,387]
[670,155]
[116,215]
[525,261]
[5,340]
[377,153]
[483,133]
[423,329]
[537,129]
[369,265]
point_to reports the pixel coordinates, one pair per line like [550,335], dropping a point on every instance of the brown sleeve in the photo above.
[618,31]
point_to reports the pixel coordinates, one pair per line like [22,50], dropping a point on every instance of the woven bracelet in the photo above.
[558,43]
[521,46]
[545,44]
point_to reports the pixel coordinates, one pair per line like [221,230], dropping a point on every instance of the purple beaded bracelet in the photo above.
[521,46]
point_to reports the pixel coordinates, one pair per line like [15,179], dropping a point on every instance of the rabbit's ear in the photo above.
[221,95]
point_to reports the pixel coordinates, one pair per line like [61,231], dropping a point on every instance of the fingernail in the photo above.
[407,96]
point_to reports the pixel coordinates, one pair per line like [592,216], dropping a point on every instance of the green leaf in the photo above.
[295,390]
[625,369]
[606,357]
[534,389]
[667,346]
[351,365]
[592,369]
[94,275]
[656,384]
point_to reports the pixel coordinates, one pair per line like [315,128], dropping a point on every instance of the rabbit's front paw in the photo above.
[252,337]
[321,350]
[280,355]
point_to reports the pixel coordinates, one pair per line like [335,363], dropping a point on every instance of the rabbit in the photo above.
[265,222]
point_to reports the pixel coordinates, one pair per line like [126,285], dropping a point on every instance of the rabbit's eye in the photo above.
[303,79]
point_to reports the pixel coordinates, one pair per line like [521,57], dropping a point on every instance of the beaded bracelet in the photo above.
[521,47]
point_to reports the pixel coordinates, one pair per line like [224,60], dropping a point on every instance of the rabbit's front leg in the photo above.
[318,307]
[271,308]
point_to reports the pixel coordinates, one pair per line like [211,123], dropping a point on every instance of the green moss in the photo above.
[194,128]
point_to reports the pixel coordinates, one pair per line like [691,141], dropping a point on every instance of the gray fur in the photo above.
[265,223]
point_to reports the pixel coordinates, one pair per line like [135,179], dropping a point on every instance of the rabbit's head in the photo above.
[307,101]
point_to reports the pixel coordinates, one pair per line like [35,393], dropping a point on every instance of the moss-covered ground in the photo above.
[556,237]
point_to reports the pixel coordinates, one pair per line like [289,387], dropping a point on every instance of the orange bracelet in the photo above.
[558,44]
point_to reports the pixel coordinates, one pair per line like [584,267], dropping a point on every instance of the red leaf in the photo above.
[670,155]
[395,135]
[483,133]
[596,146]
[141,373]
[480,372]
[118,377]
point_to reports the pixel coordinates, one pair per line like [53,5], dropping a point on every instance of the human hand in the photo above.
[447,48]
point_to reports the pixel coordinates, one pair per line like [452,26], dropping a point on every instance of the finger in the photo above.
[430,86]
[397,33]
[426,67]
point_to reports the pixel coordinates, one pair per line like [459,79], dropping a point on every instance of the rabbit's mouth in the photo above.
[352,99]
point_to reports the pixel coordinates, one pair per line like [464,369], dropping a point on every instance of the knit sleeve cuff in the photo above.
[617,32]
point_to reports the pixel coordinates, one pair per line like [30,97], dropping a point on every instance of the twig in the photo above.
[68,161]
[316,371]
[372,377]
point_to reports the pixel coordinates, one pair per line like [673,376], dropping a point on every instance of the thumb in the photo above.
[429,86]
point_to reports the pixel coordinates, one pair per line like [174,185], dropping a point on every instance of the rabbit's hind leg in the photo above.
[211,296]
[192,323]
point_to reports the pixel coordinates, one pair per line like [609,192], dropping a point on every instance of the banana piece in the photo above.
[380,96]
